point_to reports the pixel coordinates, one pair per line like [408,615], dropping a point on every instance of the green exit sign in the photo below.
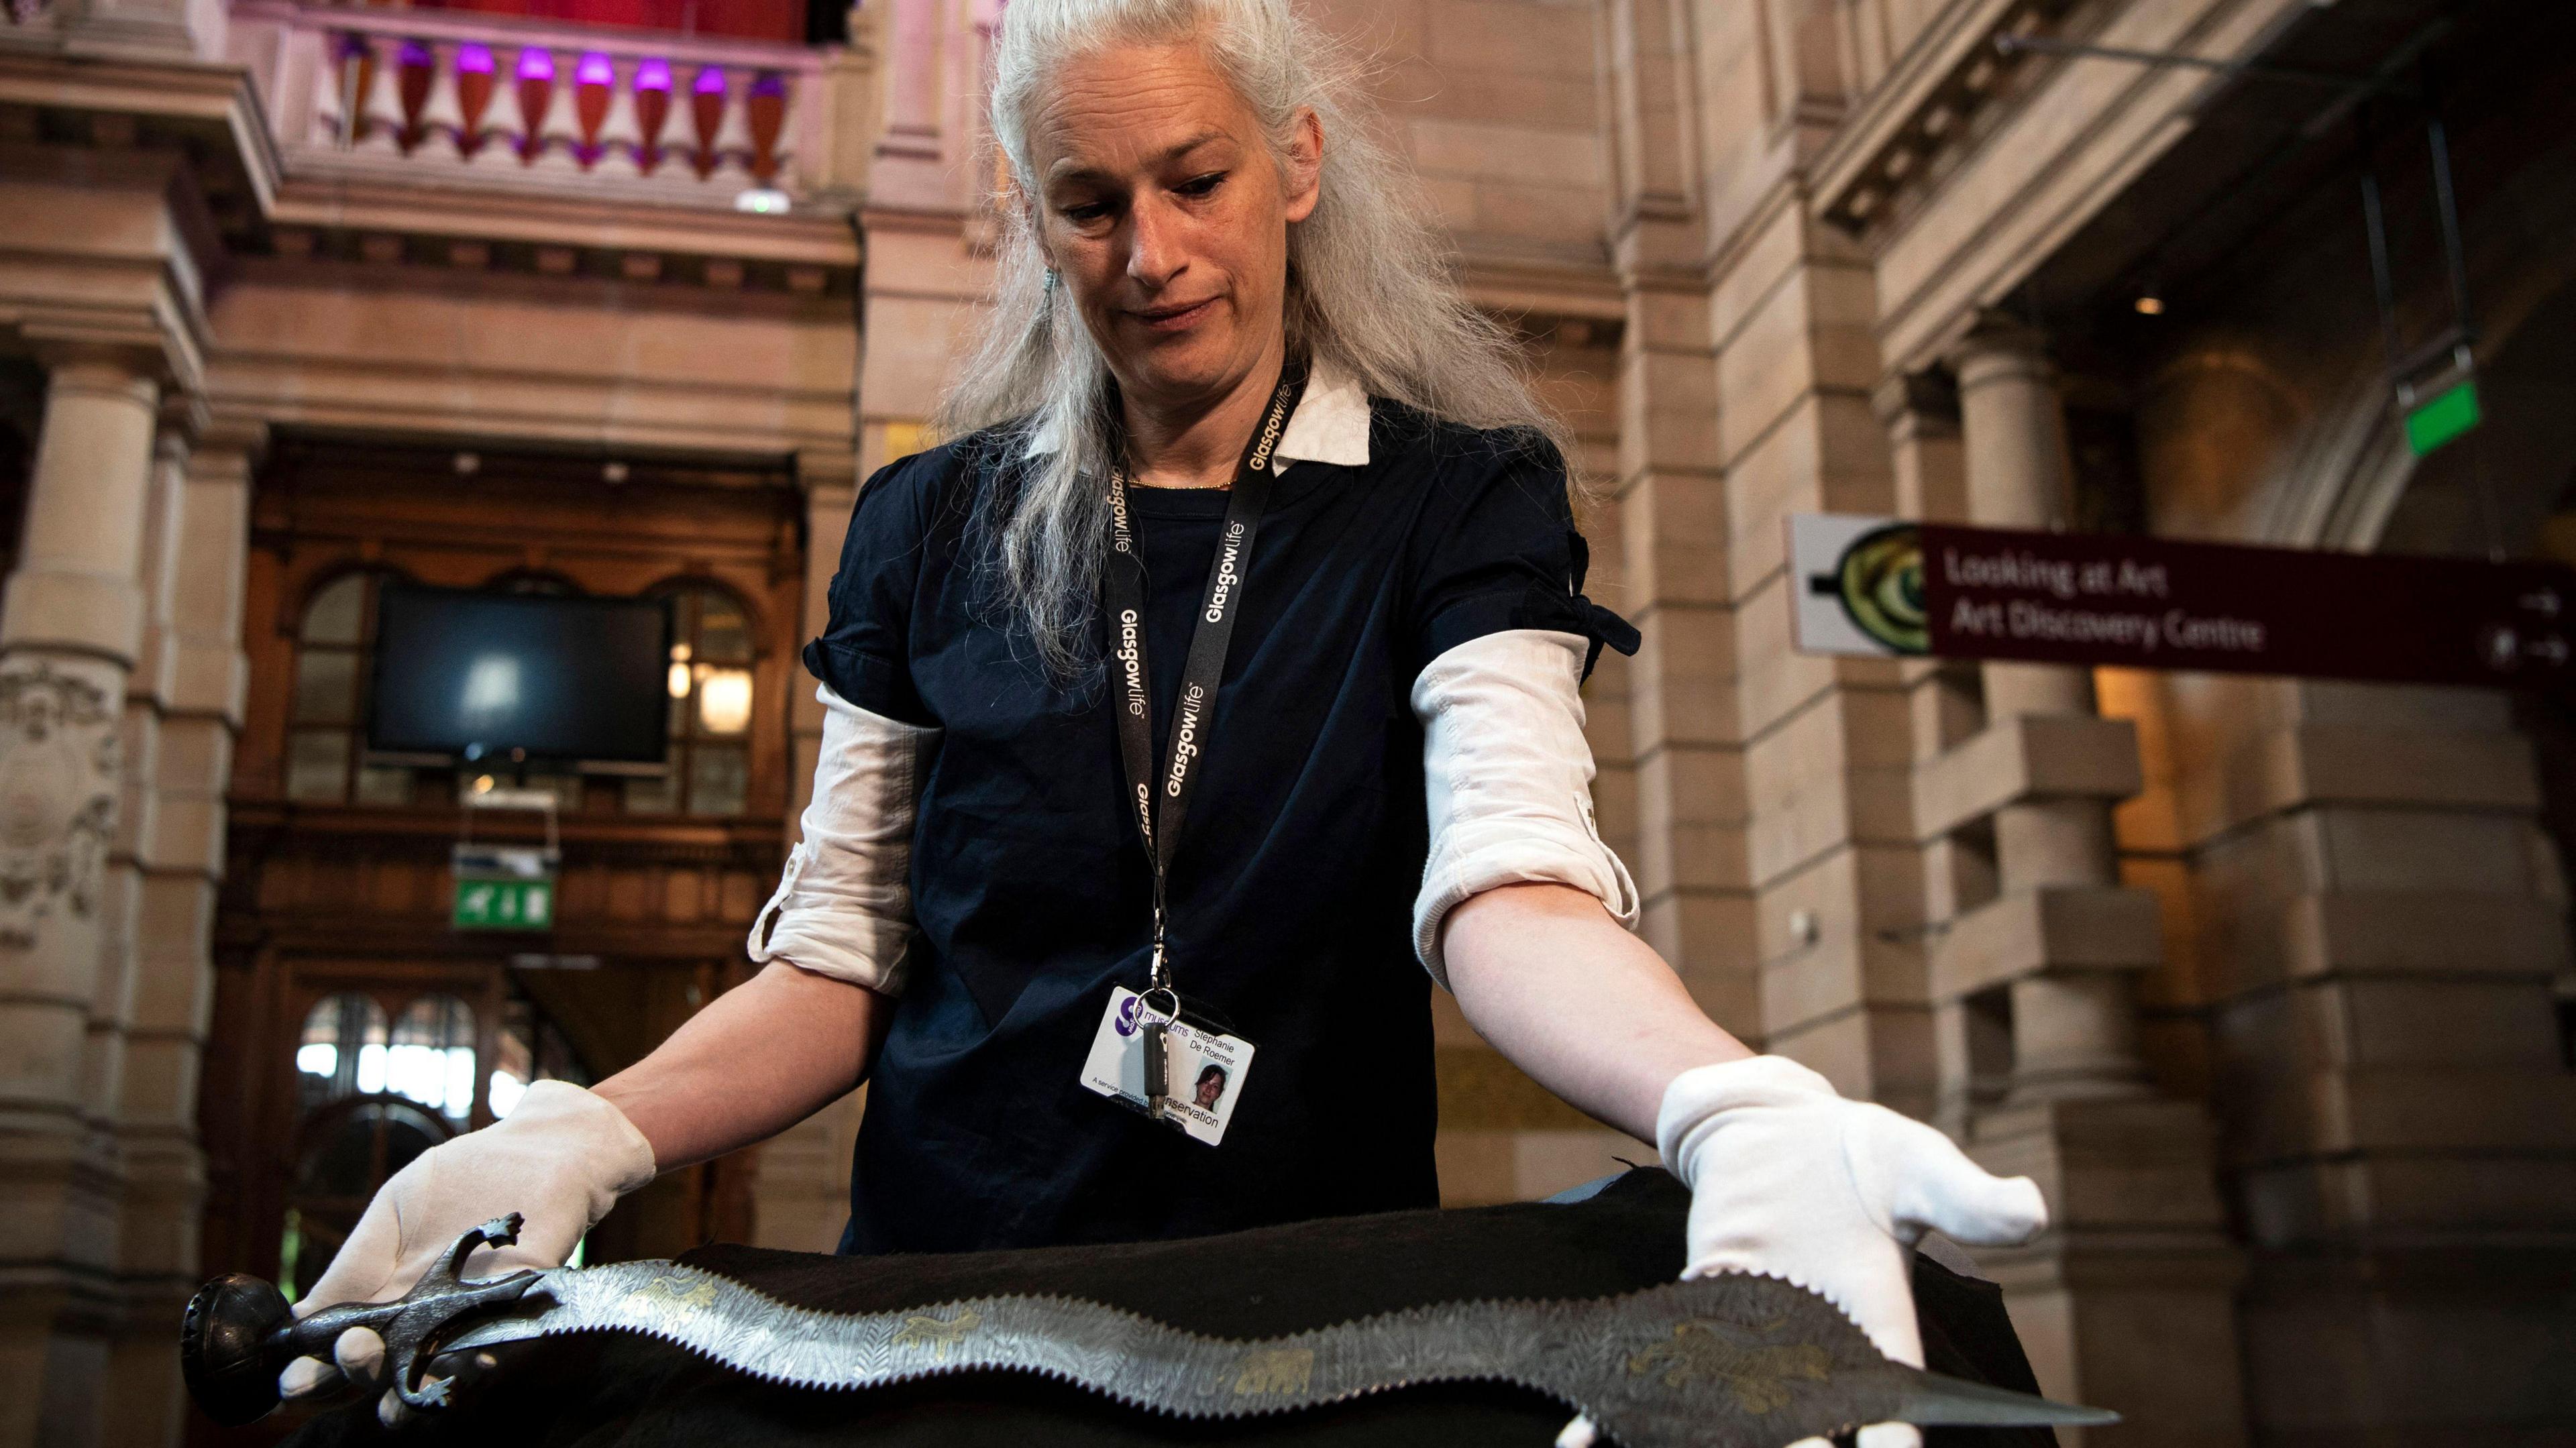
[2443,417]
[504,904]
[504,887]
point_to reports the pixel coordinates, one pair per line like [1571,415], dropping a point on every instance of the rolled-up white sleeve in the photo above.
[1509,779]
[844,903]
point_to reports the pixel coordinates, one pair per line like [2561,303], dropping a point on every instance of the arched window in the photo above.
[372,1098]
[711,692]
[426,1056]
[326,732]
[431,1056]
[342,1051]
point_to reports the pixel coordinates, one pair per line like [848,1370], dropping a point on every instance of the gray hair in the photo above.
[1369,290]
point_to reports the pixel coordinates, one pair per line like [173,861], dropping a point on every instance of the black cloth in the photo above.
[621,1391]
[1291,887]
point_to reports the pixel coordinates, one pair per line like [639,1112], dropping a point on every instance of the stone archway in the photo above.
[2345,479]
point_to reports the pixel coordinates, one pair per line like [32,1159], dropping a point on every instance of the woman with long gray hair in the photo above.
[1208,700]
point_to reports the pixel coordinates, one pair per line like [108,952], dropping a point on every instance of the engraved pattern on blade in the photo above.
[1731,1359]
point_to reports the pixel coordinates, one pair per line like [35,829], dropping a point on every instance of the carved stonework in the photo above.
[58,773]
[1920,116]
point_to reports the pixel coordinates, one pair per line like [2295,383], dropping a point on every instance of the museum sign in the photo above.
[1884,586]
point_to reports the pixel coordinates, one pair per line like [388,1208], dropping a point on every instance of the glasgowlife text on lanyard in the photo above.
[1143,1036]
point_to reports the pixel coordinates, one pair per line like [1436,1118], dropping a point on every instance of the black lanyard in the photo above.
[1123,581]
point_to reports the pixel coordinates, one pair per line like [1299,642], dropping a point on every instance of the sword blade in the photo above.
[1728,1359]
[1937,1401]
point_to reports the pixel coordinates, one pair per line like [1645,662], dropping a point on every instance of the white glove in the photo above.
[561,1158]
[1791,1181]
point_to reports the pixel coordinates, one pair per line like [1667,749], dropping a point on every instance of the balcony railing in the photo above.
[402,95]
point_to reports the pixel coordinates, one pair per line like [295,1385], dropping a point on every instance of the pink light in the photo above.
[593,69]
[474,59]
[536,64]
[711,81]
[653,74]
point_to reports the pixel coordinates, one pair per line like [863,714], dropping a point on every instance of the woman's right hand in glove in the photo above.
[561,1159]
[757,1060]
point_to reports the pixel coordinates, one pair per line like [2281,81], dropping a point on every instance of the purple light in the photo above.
[653,74]
[415,55]
[473,59]
[536,64]
[711,81]
[593,69]
[352,46]
[769,83]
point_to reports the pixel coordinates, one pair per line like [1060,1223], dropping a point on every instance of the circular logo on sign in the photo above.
[1879,582]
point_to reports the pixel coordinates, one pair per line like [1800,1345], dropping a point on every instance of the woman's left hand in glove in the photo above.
[1787,1178]
[1790,1180]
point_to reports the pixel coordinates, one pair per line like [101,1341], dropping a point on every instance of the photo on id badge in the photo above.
[1204,1076]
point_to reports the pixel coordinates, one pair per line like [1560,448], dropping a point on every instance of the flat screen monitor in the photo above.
[486,674]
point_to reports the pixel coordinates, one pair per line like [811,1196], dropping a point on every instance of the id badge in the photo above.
[1206,1067]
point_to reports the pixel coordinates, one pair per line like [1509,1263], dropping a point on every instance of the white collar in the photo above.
[1330,425]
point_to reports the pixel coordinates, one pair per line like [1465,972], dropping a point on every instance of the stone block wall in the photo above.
[2375,925]
[1495,104]
[1829,853]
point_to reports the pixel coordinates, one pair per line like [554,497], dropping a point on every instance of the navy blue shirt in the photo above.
[1293,881]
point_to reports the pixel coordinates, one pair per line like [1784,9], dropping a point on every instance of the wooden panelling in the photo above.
[325,898]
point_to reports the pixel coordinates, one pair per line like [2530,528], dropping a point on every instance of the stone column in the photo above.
[1921,414]
[1687,740]
[1828,848]
[2074,1029]
[69,629]
[1945,702]
[909,165]
[186,697]
[2126,1301]
[851,103]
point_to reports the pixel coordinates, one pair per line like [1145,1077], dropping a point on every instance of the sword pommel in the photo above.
[222,1347]
[239,1332]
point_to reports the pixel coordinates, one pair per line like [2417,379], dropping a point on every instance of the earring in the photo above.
[1051,279]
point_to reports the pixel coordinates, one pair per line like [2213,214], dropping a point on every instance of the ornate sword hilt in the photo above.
[239,1332]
